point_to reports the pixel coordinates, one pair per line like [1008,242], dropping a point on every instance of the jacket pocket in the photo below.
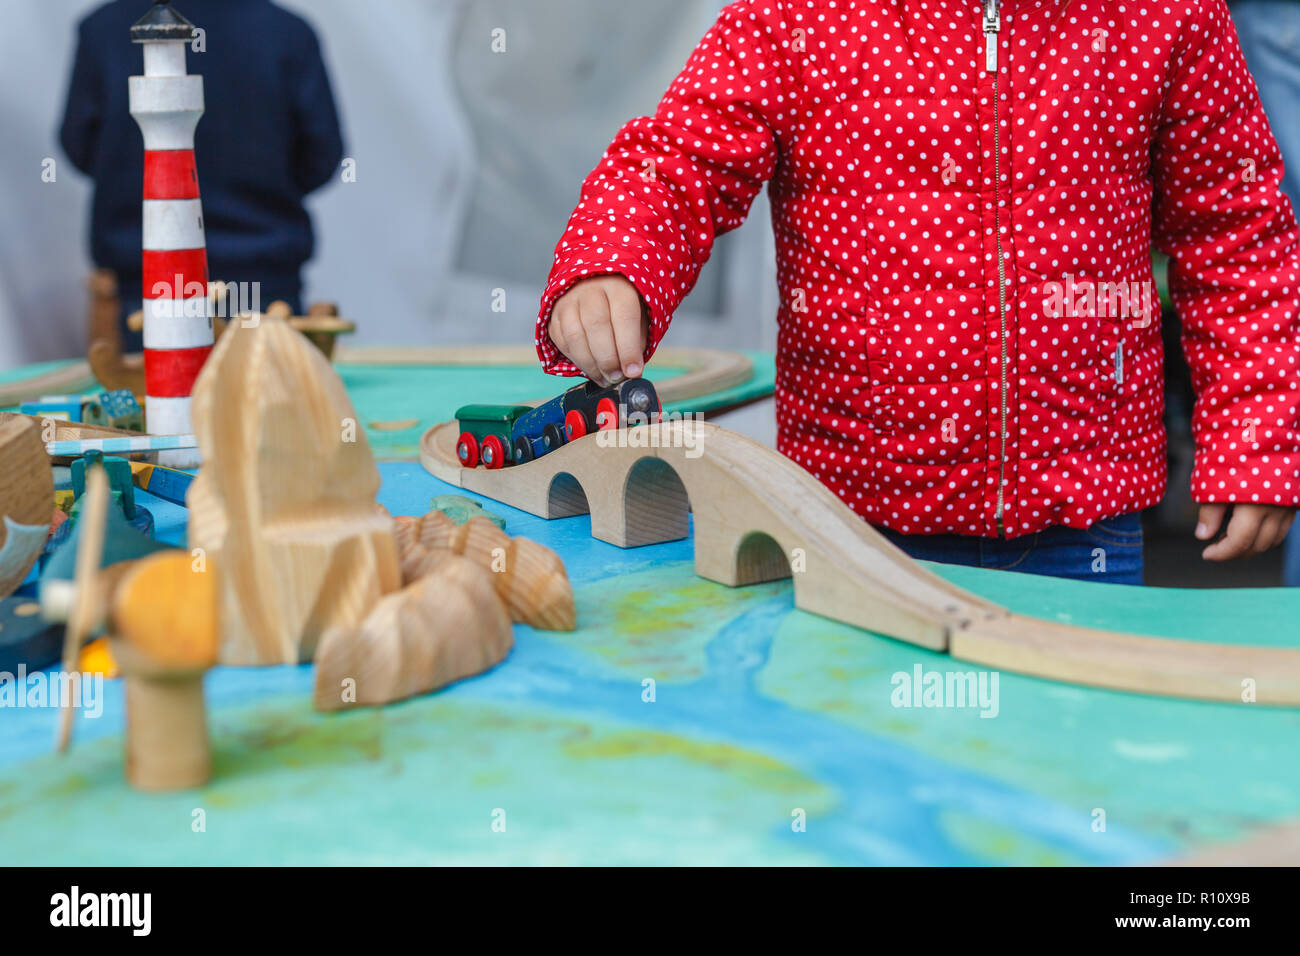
[1072,364]
[928,378]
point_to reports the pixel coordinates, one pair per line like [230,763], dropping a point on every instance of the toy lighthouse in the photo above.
[167,104]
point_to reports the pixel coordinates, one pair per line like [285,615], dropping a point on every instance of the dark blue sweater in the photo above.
[268,137]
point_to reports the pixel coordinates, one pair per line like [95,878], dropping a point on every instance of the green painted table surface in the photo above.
[686,722]
[429,394]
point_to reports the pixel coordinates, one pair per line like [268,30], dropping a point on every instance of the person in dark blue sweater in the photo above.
[269,136]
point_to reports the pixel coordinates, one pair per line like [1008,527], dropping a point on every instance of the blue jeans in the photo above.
[1269,31]
[1110,551]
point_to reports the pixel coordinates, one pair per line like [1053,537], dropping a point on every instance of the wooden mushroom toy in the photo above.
[164,637]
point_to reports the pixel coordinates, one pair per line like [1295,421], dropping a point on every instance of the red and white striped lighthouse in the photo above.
[167,103]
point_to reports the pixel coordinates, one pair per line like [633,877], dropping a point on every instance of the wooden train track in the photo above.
[759,517]
[70,379]
[704,371]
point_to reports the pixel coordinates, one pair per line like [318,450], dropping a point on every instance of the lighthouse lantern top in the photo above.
[162,24]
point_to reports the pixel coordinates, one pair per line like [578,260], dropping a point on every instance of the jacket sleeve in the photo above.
[1231,234]
[669,184]
[83,112]
[318,140]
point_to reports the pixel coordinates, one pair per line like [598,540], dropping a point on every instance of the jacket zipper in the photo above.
[992,25]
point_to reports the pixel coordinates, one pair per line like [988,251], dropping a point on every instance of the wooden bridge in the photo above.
[760,517]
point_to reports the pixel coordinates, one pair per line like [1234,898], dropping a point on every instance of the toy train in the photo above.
[499,435]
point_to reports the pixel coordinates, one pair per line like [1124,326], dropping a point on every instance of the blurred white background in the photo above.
[468,163]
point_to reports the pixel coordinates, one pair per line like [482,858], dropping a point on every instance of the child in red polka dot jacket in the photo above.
[964,197]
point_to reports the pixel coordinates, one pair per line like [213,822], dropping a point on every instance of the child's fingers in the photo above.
[600,337]
[1285,528]
[628,318]
[575,347]
[1267,536]
[1243,528]
[1209,519]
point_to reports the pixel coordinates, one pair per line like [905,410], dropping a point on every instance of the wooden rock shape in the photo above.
[529,577]
[285,502]
[446,626]
[26,500]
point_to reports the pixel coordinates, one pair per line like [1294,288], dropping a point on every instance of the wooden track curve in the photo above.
[757,514]
[704,370]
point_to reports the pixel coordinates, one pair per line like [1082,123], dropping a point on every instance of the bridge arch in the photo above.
[760,557]
[655,504]
[565,497]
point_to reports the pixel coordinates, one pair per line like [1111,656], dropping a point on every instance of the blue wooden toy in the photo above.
[114,409]
[119,480]
[66,408]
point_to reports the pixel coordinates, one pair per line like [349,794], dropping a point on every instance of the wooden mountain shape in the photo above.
[284,506]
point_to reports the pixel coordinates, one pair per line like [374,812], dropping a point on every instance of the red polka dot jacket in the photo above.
[964,206]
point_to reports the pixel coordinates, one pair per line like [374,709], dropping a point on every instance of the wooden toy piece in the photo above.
[164,637]
[168,484]
[500,435]
[696,372]
[443,627]
[97,658]
[55,431]
[485,434]
[26,500]
[105,309]
[81,618]
[114,409]
[322,326]
[167,103]
[114,370]
[529,577]
[758,516]
[66,408]
[71,377]
[123,445]
[123,541]
[285,502]
[105,359]
[118,471]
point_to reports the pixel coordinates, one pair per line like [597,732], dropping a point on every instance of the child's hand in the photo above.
[1253,529]
[600,325]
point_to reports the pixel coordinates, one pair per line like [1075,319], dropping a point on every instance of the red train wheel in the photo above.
[467,450]
[606,414]
[575,424]
[494,453]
